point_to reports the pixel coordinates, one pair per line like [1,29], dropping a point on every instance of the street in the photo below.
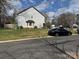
[40,48]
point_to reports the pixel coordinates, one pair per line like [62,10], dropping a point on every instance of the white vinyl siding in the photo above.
[32,14]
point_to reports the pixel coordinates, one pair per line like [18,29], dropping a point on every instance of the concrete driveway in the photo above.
[37,49]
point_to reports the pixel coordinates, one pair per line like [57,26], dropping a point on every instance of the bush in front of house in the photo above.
[19,27]
[35,27]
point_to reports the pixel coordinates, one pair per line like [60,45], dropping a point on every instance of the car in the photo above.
[59,32]
[77,30]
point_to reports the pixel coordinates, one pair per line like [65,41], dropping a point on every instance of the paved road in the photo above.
[37,49]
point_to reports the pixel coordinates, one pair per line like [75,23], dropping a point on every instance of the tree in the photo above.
[1,12]
[4,6]
[66,19]
[3,15]
[77,21]
[54,21]
[47,23]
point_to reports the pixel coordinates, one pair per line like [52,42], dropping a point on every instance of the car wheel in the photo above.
[56,34]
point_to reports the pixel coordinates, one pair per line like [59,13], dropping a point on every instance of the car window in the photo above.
[64,30]
[54,29]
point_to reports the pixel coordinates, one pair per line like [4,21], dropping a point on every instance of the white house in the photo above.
[30,18]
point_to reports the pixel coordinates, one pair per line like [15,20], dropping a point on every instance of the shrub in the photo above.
[19,27]
[35,27]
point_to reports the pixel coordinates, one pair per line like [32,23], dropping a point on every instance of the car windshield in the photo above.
[56,29]
[59,29]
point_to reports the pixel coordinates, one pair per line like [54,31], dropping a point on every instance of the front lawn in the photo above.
[10,34]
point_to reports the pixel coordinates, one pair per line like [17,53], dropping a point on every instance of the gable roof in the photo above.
[29,8]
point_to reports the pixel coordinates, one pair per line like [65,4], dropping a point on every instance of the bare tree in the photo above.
[66,19]
[47,23]
[77,21]
[4,6]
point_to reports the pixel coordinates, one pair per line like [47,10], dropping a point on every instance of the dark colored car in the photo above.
[77,30]
[59,32]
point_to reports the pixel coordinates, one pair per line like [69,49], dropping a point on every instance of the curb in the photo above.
[17,40]
[75,34]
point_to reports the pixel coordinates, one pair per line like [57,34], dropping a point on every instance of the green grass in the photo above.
[10,34]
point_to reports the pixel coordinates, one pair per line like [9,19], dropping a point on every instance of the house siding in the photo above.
[30,14]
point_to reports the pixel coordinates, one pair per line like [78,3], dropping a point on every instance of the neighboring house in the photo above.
[30,18]
[75,27]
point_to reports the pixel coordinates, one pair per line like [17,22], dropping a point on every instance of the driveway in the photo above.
[38,48]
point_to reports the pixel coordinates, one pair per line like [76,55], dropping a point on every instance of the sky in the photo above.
[50,7]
